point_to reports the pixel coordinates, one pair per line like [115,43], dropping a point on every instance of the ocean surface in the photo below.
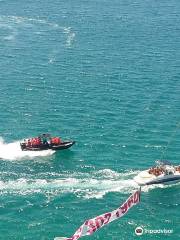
[107,75]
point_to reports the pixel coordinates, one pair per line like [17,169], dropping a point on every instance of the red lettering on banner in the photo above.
[130,201]
[75,237]
[107,217]
[86,223]
[118,213]
[124,208]
[77,234]
[92,226]
[99,221]
[136,197]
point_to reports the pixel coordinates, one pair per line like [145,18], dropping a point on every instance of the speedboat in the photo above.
[45,142]
[163,173]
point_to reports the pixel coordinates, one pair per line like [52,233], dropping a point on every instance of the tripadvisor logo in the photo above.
[139,231]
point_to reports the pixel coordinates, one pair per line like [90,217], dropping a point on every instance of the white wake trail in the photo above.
[83,185]
[12,151]
[94,185]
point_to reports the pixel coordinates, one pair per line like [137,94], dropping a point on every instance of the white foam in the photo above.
[111,174]
[14,24]
[70,36]
[12,151]
[84,187]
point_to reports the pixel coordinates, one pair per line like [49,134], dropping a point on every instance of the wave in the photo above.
[13,24]
[25,20]
[12,151]
[70,36]
[83,185]
[86,188]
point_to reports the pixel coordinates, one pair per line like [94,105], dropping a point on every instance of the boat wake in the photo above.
[83,185]
[12,151]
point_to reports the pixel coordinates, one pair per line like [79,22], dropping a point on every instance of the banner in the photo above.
[92,225]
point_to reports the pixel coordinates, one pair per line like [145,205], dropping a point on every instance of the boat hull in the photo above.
[169,180]
[62,146]
[144,178]
[42,147]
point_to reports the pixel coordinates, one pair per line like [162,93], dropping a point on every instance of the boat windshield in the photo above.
[163,163]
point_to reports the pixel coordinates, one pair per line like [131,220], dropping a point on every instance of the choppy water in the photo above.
[107,75]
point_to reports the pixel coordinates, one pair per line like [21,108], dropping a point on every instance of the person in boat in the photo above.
[34,142]
[151,171]
[155,171]
[44,140]
[55,141]
[38,141]
[58,140]
[29,143]
[177,168]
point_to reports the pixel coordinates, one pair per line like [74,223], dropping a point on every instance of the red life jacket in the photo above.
[58,140]
[38,142]
[33,141]
[55,140]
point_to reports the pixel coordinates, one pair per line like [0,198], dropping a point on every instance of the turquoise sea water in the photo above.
[107,75]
